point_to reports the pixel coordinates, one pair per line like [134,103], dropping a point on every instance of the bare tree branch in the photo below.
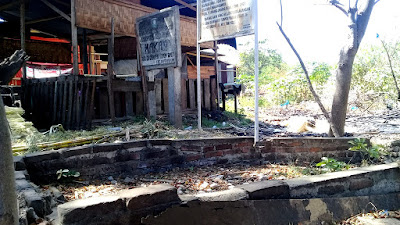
[376,2]
[391,68]
[316,97]
[339,6]
[281,14]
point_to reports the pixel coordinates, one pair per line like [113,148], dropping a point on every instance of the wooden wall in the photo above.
[206,72]
[97,14]
[39,51]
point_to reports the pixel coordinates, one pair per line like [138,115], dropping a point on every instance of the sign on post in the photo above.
[159,39]
[222,19]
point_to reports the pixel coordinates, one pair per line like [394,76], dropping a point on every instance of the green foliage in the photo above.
[67,174]
[372,80]
[368,153]
[332,164]
[270,65]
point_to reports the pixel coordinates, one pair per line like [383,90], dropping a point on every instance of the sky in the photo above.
[319,30]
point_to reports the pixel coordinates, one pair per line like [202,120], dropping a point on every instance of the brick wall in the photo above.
[139,157]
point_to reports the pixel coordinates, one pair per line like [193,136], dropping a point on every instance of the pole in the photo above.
[74,38]
[198,65]
[256,122]
[217,72]
[22,29]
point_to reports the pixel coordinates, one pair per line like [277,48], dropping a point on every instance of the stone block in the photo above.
[358,184]
[34,200]
[331,190]
[22,185]
[41,156]
[68,152]
[153,195]
[108,147]
[19,163]
[20,175]
[91,211]
[267,190]
[234,194]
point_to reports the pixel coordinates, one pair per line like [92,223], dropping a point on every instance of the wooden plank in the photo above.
[175,96]
[192,94]
[126,86]
[207,94]
[158,92]
[214,94]
[110,69]
[91,108]
[103,104]
[202,93]
[86,105]
[184,94]
[71,96]
[55,97]
[118,104]
[129,103]
[78,104]
[139,103]
[165,94]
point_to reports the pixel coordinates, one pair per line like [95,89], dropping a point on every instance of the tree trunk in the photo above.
[358,22]
[8,197]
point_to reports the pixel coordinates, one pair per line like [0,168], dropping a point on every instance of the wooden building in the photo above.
[97,40]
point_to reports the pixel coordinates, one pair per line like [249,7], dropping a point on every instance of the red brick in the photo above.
[191,148]
[192,157]
[296,144]
[301,150]
[229,152]
[244,144]
[135,156]
[208,149]
[246,150]
[214,154]
[284,150]
[223,147]
[316,149]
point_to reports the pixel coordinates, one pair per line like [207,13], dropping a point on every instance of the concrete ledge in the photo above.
[273,211]
[126,207]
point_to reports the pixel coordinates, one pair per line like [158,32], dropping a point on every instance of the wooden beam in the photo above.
[110,71]
[186,4]
[22,30]
[74,38]
[84,53]
[6,6]
[43,20]
[51,6]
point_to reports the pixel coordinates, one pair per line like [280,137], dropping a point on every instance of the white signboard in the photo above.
[222,19]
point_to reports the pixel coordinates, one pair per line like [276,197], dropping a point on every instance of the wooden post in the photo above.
[158,89]
[192,95]
[22,29]
[91,108]
[218,73]
[110,70]
[84,53]
[165,94]
[129,103]
[174,95]
[74,38]
[207,94]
